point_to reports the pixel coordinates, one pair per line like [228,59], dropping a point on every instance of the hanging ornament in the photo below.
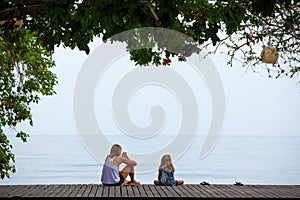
[269,55]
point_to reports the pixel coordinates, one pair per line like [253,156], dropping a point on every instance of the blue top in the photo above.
[110,172]
[167,177]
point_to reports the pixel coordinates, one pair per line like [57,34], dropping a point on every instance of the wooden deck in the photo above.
[84,191]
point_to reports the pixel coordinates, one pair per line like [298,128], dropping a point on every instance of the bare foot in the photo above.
[135,182]
[126,182]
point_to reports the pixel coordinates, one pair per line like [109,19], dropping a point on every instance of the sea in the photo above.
[250,159]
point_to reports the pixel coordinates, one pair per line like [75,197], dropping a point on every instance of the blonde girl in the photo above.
[166,172]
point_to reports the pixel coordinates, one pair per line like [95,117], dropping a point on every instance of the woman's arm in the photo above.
[127,161]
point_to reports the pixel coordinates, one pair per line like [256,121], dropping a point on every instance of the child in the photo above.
[166,173]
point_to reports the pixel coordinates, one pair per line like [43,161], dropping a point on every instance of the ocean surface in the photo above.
[259,159]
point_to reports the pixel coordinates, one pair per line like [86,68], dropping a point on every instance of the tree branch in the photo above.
[36,7]
[153,13]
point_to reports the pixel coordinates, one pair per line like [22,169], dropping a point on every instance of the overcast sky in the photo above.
[255,104]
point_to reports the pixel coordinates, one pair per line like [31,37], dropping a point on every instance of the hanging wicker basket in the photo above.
[269,55]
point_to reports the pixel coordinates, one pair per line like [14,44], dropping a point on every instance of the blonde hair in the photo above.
[115,150]
[166,161]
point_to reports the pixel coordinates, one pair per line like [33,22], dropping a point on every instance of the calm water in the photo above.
[53,159]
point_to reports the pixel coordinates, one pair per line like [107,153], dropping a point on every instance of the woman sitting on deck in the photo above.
[111,176]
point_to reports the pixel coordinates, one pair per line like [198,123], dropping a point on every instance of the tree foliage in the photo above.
[244,27]
[25,76]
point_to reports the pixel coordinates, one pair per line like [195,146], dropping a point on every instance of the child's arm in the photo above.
[157,182]
[159,174]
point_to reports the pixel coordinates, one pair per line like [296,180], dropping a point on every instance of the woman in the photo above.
[166,173]
[111,176]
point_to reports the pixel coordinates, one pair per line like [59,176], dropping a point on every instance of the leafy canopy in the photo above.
[243,27]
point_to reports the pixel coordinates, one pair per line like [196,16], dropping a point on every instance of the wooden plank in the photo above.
[196,191]
[277,190]
[105,192]
[62,191]
[191,191]
[175,193]
[59,188]
[152,188]
[68,190]
[235,193]
[112,191]
[243,191]
[7,189]
[118,191]
[199,189]
[31,191]
[160,191]
[20,192]
[43,191]
[129,191]
[136,191]
[216,191]
[251,192]
[76,190]
[293,190]
[93,191]
[239,191]
[124,191]
[265,192]
[147,190]
[224,192]
[219,191]
[256,192]
[207,191]
[184,190]
[17,191]
[168,191]
[142,191]
[178,191]
[99,192]
[273,190]
[55,189]
[288,193]
[87,190]
[81,190]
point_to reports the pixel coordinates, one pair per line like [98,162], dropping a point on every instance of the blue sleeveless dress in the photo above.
[167,178]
